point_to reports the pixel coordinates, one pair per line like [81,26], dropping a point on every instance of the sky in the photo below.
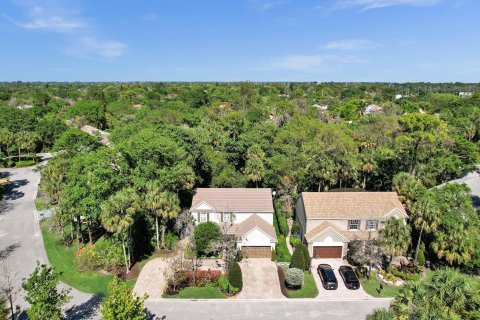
[240,40]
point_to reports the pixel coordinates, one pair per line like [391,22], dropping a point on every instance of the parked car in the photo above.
[329,281]
[349,277]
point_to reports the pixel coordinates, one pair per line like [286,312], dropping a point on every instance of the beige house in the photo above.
[330,220]
[246,212]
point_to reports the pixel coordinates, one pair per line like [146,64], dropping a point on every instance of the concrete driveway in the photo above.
[151,280]
[342,292]
[260,279]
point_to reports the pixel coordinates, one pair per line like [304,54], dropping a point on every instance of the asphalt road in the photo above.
[21,242]
[264,309]
[21,246]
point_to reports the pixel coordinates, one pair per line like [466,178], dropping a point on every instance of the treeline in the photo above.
[292,137]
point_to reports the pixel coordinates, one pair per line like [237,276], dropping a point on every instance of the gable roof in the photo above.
[252,222]
[310,235]
[345,205]
[254,200]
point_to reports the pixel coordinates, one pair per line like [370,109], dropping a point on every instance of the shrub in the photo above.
[421,258]
[306,255]
[235,276]
[274,255]
[411,267]
[238,256]
[362,272]
[283,255]
[295,229]
[298,262]
[294,278]
[295,241]
[406,276]
[205,233]
[88,259]
[171,240]
[226,286]
[24,163]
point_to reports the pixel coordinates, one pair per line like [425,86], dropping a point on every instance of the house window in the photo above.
[353,224]
[372,224]
[227,217]
[203,217]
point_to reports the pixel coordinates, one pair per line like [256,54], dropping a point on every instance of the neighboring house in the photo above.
[330,220]
[372,108]
[245,212]
[472,180]
[465,94]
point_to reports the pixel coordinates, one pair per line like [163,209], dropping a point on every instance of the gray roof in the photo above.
[472,180]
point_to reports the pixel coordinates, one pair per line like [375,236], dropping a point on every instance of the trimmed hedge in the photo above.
[306,255]
[406,276]
[235,276]
[283,255]
[298,262]
[24,163]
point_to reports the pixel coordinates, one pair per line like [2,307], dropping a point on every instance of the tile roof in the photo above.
[345,205]
[254,200]
[252,222]
[349,235]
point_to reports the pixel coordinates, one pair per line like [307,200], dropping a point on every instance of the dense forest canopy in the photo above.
[291,137]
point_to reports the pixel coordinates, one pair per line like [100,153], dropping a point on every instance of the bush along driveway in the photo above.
[260,280]
[308,289]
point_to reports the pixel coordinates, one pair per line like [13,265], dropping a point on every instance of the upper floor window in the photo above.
[203,217]
[353,224]
[372,224]
[227,217]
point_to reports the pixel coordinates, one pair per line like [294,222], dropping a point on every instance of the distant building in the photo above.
[319,107]
[400,96]
[465,94]
[372,108]
[472,180]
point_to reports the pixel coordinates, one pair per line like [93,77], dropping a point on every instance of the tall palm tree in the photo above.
[118,215]
[169,209]
[426,216]
[153,203]
[395,237]
[455,246]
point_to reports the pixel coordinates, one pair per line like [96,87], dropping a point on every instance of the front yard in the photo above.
[198,293]
[308,290]
[378,289]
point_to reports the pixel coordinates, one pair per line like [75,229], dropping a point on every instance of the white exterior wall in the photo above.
[239,217]
[255,238]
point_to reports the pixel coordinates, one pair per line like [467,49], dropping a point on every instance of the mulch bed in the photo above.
[281,277]
[134,272]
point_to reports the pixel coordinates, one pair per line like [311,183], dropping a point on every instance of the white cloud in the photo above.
[351,45]
[51,19]
[88,46]
[264,5]
[364,5]
[306,62]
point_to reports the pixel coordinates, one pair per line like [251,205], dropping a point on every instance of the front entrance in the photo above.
[327,252]
[256,252]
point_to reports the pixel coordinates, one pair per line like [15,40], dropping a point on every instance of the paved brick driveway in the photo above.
[150,279]
[260,279]
[342,292]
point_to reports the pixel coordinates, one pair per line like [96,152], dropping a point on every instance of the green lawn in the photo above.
[63,259]
[378,289]
[308,290]
[198,293]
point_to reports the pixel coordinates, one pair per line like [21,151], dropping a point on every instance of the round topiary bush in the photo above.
[235,276]
[298,261]
[294,278]
[205,233]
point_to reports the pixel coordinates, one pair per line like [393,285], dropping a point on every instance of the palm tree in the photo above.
[169,209]
[426,216]
[153,204]
[118,215]
[395,237]
[455,246]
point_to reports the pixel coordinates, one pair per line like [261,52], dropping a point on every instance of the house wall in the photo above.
[239,217]
[255,238]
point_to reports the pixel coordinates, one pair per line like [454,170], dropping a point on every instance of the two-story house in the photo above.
[245,212]
[330,220]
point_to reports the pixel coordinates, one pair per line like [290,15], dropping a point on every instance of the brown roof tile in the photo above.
[349,235]
[254,200]
[350,204]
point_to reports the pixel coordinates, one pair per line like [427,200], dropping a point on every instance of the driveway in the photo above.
[151,280]
[260,279]
[21,242]
[342,292]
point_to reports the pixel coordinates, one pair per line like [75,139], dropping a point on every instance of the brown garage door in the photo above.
[256,252]
[327,252]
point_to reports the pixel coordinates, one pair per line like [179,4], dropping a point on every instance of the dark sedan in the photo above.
[349,277]
[329,281]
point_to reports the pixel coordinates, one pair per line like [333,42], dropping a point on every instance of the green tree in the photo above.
[426,217]
[4,312]
[205,233]
[254,166]
[235,276]
[7,139]
[121,303]
[118,215]
[394,237]
[45,299]
[408,188]
[298,261]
